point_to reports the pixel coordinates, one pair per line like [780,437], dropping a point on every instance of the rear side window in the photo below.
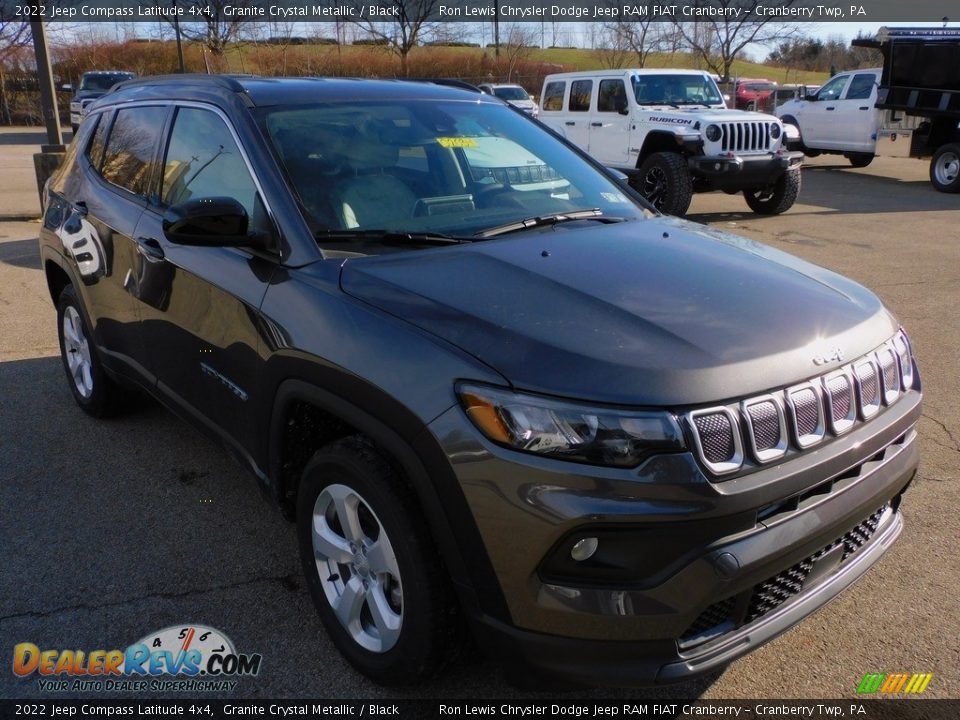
[861,87]
[95,146]
[580,91]
[612,96]
[130,157]
[553,96]
[203,161]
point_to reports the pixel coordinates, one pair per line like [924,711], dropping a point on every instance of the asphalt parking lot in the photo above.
[112,529]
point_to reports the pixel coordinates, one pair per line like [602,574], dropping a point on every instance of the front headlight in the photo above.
[712,132]
[567,430]
[774,131]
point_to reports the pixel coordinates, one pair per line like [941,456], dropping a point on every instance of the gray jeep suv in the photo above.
[494,389]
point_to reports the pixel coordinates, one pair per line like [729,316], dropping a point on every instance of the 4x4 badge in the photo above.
[829,356]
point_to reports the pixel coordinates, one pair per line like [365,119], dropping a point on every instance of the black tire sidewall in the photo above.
[953,187]
[786,190]
[410,659]
[679,191]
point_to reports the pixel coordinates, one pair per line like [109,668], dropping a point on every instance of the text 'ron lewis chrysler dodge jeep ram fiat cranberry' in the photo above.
[497,392]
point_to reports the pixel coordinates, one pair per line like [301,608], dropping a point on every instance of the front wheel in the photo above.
[777,197]
[859,160]
[945,168]
[664,180]
[371,567]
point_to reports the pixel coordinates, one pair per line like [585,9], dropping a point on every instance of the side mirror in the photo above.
[211,222]
[623,107]
[810,97]
[67,87]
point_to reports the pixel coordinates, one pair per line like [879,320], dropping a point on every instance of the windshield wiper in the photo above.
[662,102]
[555,219]
[388,237]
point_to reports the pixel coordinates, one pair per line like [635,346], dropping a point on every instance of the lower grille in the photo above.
[716,614]
[775,591]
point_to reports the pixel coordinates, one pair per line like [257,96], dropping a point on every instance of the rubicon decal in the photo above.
[179,650]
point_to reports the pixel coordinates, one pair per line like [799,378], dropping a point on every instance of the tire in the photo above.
[859,160]
[776,198]
[664,180]
[945,168]
[372,545]
[95,393]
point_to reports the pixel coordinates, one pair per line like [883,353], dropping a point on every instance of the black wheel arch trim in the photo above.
[422,461]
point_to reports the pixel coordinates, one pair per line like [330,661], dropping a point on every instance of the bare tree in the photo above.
[215,30]
[721,36]
[13,37]
[401,35]
[631,40]
[521,39]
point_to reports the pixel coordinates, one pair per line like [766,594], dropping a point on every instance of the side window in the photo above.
[553,96]
[861,86]
[129,160]
[580,91]
[204,161]
[833,89]
[612,96]
[94,151]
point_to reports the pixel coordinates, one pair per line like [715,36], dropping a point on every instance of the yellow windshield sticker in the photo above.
[457,142]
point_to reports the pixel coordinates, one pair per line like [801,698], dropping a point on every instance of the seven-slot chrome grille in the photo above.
[803,415]
[752,135]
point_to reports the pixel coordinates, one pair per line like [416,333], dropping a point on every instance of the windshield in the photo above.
[511,93]
[427,167]
[669,89]
[103,81]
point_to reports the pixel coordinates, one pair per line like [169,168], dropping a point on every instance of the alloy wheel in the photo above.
[77,350]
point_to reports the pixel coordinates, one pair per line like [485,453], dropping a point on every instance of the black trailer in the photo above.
[920,95]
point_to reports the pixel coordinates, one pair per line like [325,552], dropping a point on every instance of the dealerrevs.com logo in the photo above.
[894,683]
[188,658]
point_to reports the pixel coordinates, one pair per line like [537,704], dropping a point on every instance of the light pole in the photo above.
[48,97]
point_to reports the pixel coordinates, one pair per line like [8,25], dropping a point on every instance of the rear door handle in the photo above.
[570,123]
[596,124]
[150,249]
[831,108]
[864,107]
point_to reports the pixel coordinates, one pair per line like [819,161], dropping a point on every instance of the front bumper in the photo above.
[713,553]
[742,172]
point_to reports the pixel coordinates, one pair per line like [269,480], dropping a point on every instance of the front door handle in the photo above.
[596,124]
[831,108]
[571,123]
[864,107]
[150,249]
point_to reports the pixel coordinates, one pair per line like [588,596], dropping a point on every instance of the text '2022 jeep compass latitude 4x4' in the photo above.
[619,447]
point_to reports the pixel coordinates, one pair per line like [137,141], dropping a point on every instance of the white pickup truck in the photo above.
[908,108]
[840,117]
[672,134]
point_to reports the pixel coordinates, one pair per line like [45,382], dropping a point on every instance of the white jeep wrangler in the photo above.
[671,133]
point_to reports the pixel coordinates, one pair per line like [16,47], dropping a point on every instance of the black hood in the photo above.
[653,312]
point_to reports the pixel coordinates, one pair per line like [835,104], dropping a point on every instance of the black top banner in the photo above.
[363,11]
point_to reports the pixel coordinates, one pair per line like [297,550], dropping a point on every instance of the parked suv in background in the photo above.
[620,448]
[513,94]
[672,134]
[93,84]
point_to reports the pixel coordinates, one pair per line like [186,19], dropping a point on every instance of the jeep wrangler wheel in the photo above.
[945,168]
[370,565]
[664,180]
[777,197]
[95,393]
[859,160]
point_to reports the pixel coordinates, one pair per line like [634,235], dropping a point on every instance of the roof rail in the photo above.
[450,82]
[228,82]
